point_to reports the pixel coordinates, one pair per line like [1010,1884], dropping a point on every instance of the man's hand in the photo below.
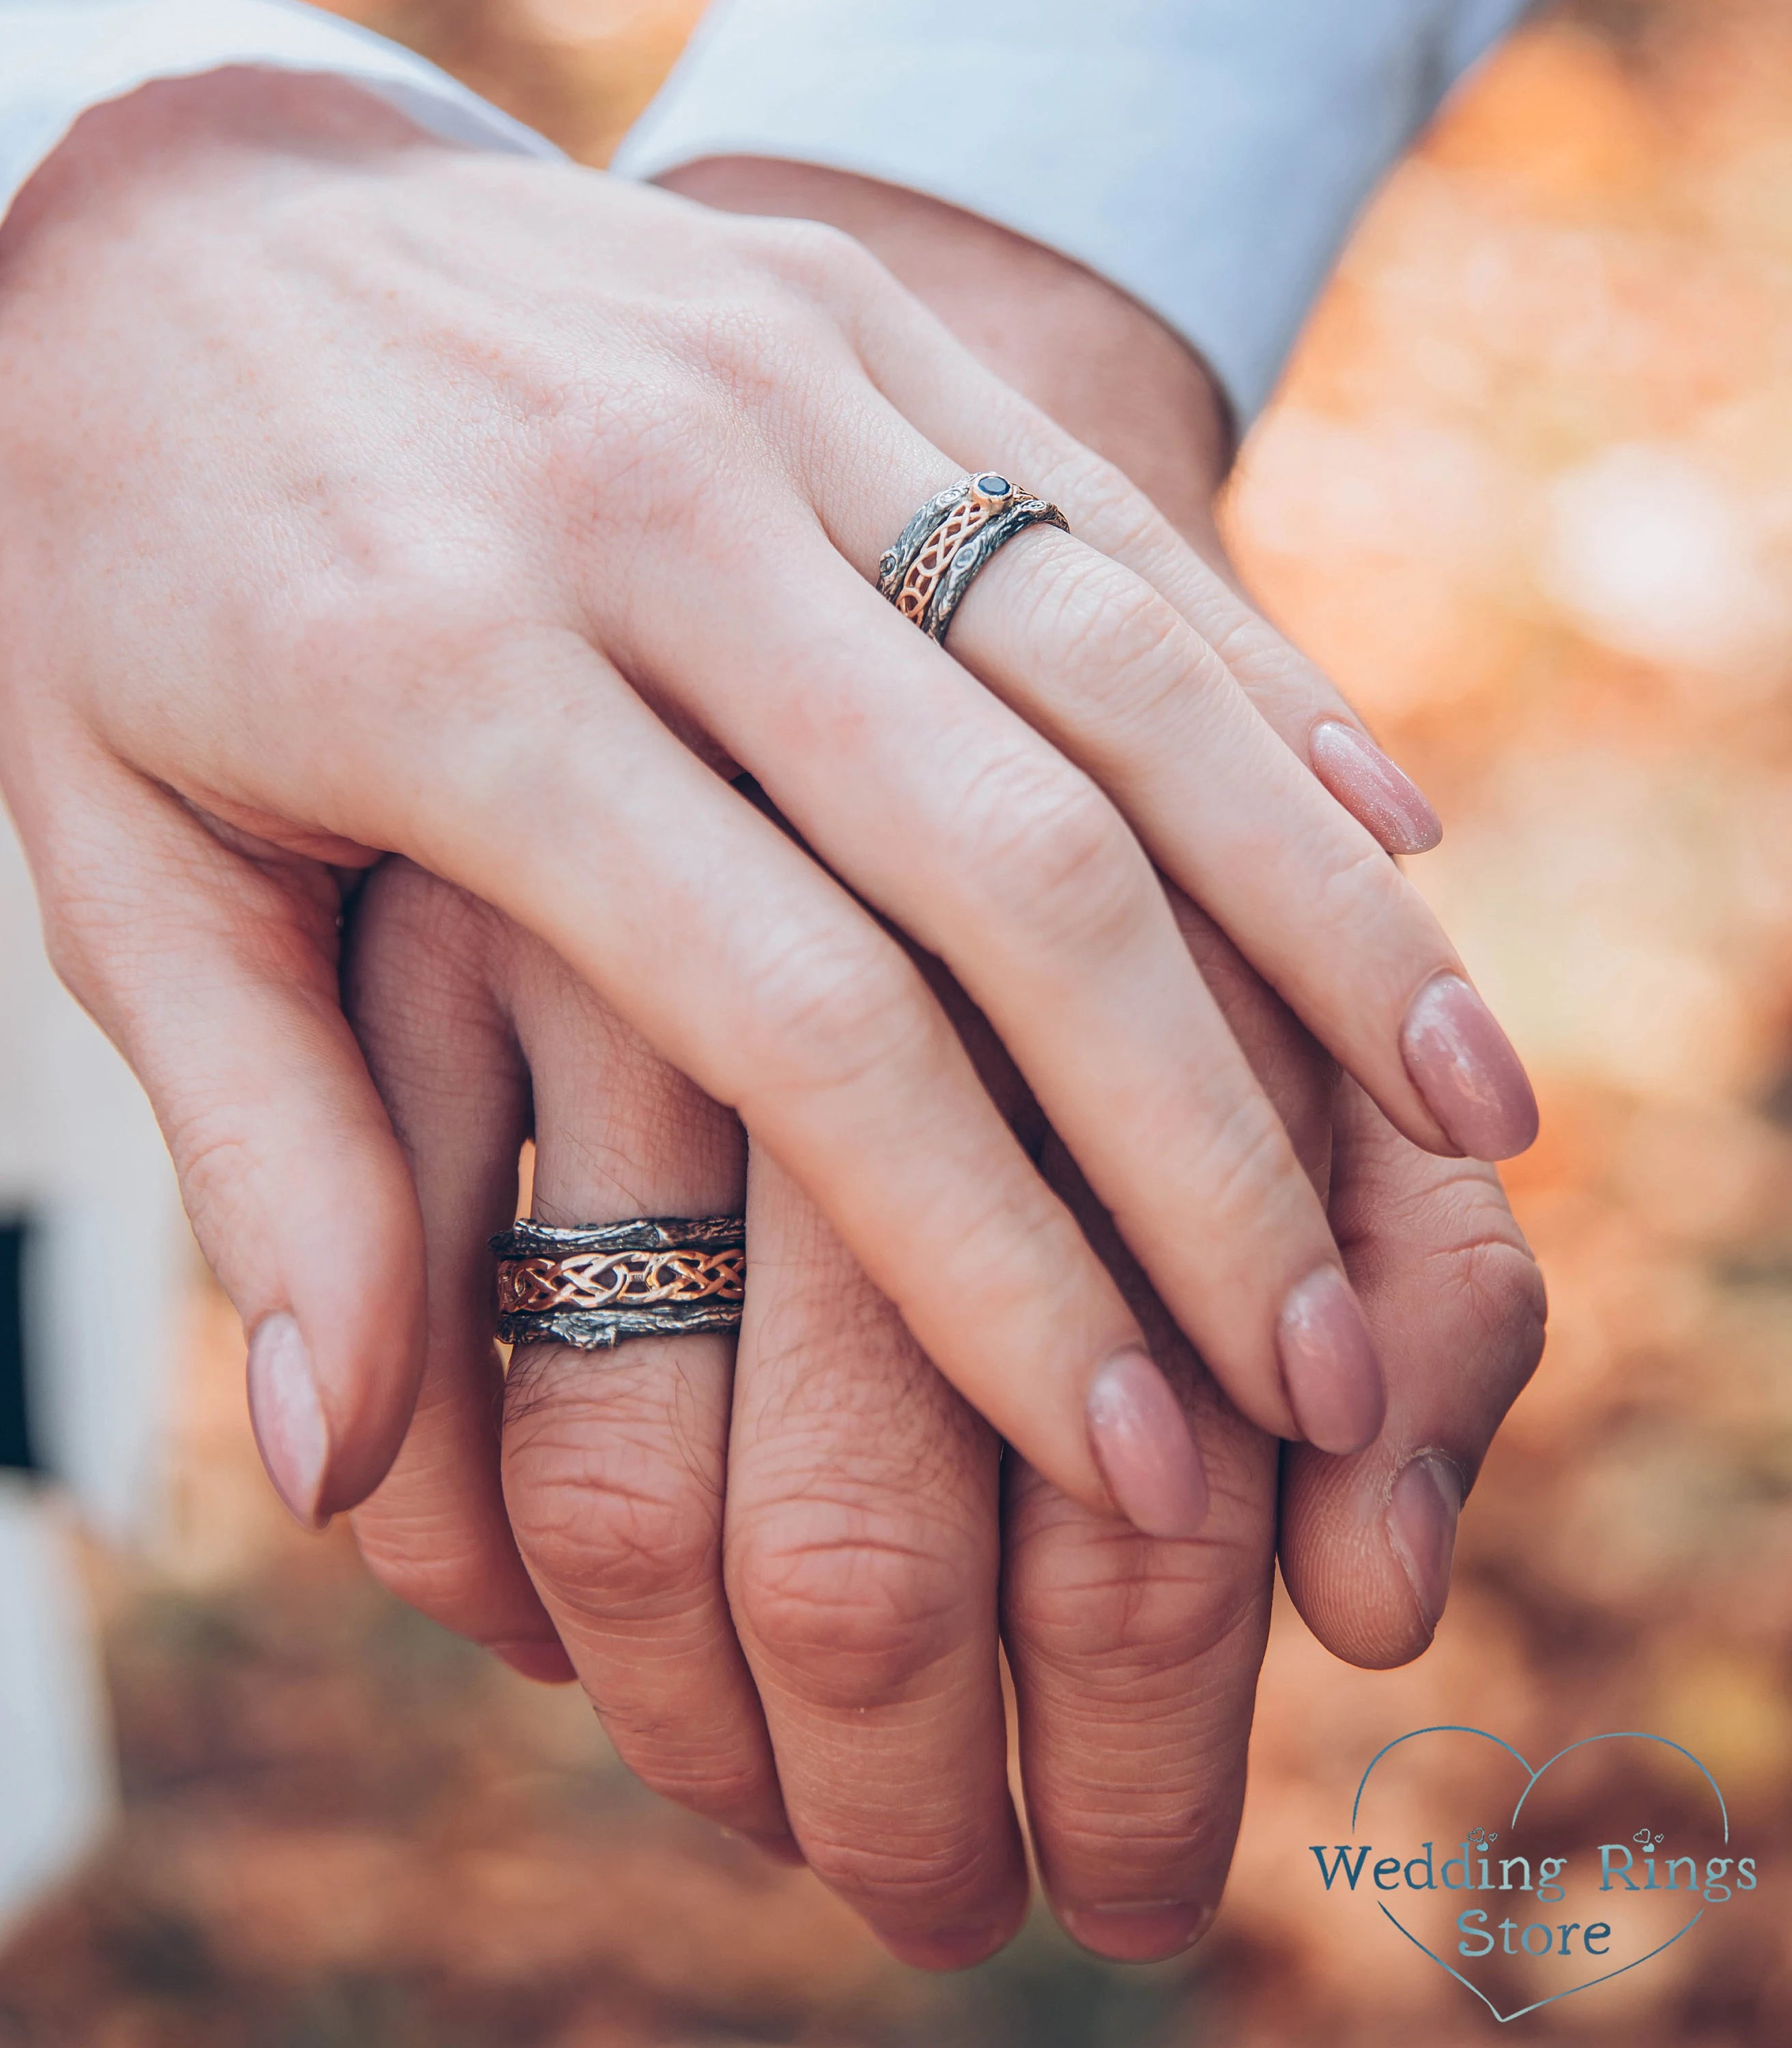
[776,1569]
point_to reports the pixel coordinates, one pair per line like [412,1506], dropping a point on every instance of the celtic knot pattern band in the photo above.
[937,555]
[594,1286]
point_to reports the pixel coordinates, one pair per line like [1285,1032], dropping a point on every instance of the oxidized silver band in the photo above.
[937,555]
[594,1285]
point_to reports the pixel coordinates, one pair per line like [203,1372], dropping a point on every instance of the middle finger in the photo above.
[861,1561]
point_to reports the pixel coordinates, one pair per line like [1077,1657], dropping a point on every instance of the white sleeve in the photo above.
[1207,156]
[60,57]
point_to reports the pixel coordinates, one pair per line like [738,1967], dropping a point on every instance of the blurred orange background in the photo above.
[1527,492]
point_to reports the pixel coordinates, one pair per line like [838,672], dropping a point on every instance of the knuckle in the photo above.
[1483,1274]
[1502,1290]
[1135,658]
[1356,892]
[1111,508]
[611,1526]
[606,1550]
[833,1005]
[216,1159]
[821,261]
[1052,855]
[849,1619]
[387,587]
[105,924]
[1126,1621]
[75,944]
[1253,1183]
[420,624]
[724,366]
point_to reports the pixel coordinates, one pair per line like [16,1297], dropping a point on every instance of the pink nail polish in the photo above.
[1329,1369]
[1464,1066]
[288,1417]
[1374,792]
[1142,1442]
[1422,1513]
[544,1661]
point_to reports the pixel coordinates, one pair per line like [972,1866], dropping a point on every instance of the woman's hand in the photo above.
[361,494]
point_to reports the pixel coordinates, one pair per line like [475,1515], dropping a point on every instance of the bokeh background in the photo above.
[1528,492]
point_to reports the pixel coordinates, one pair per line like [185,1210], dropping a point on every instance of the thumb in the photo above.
[1457,1306]
[214,974]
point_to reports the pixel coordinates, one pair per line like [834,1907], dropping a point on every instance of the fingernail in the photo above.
[961,1948]
[546,1662]
[288,1417]
[1464,1066]
[1144,1933]
[1421,1517]
[1328,1364]
[1372,790]
[1142,1442]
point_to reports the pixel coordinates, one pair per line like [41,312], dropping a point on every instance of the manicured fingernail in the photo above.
[287,1416]
[1144,1933]
[546,1662]
[1372,790]
[1421,1519]
[1142,1442]
[1464,1066]
[1329,1368]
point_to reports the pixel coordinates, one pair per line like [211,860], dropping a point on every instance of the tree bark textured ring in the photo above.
[938,555]
[594,1285]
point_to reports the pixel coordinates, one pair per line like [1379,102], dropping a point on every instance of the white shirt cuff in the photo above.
[60,57]
[1207,156]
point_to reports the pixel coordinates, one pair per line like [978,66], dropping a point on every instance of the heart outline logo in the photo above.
[1533,1774]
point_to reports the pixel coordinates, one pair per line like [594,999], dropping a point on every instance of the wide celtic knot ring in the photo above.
[938,555]
[593,1286]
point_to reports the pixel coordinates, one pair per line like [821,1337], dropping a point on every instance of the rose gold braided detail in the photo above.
[619,1279]
[935,559]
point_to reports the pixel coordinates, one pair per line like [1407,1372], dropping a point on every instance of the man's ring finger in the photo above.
[593,1286]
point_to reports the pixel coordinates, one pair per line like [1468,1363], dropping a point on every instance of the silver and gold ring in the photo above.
[593,1286]
[955,535]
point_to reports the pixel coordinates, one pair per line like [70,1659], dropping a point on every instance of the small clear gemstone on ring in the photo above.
[990,485]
